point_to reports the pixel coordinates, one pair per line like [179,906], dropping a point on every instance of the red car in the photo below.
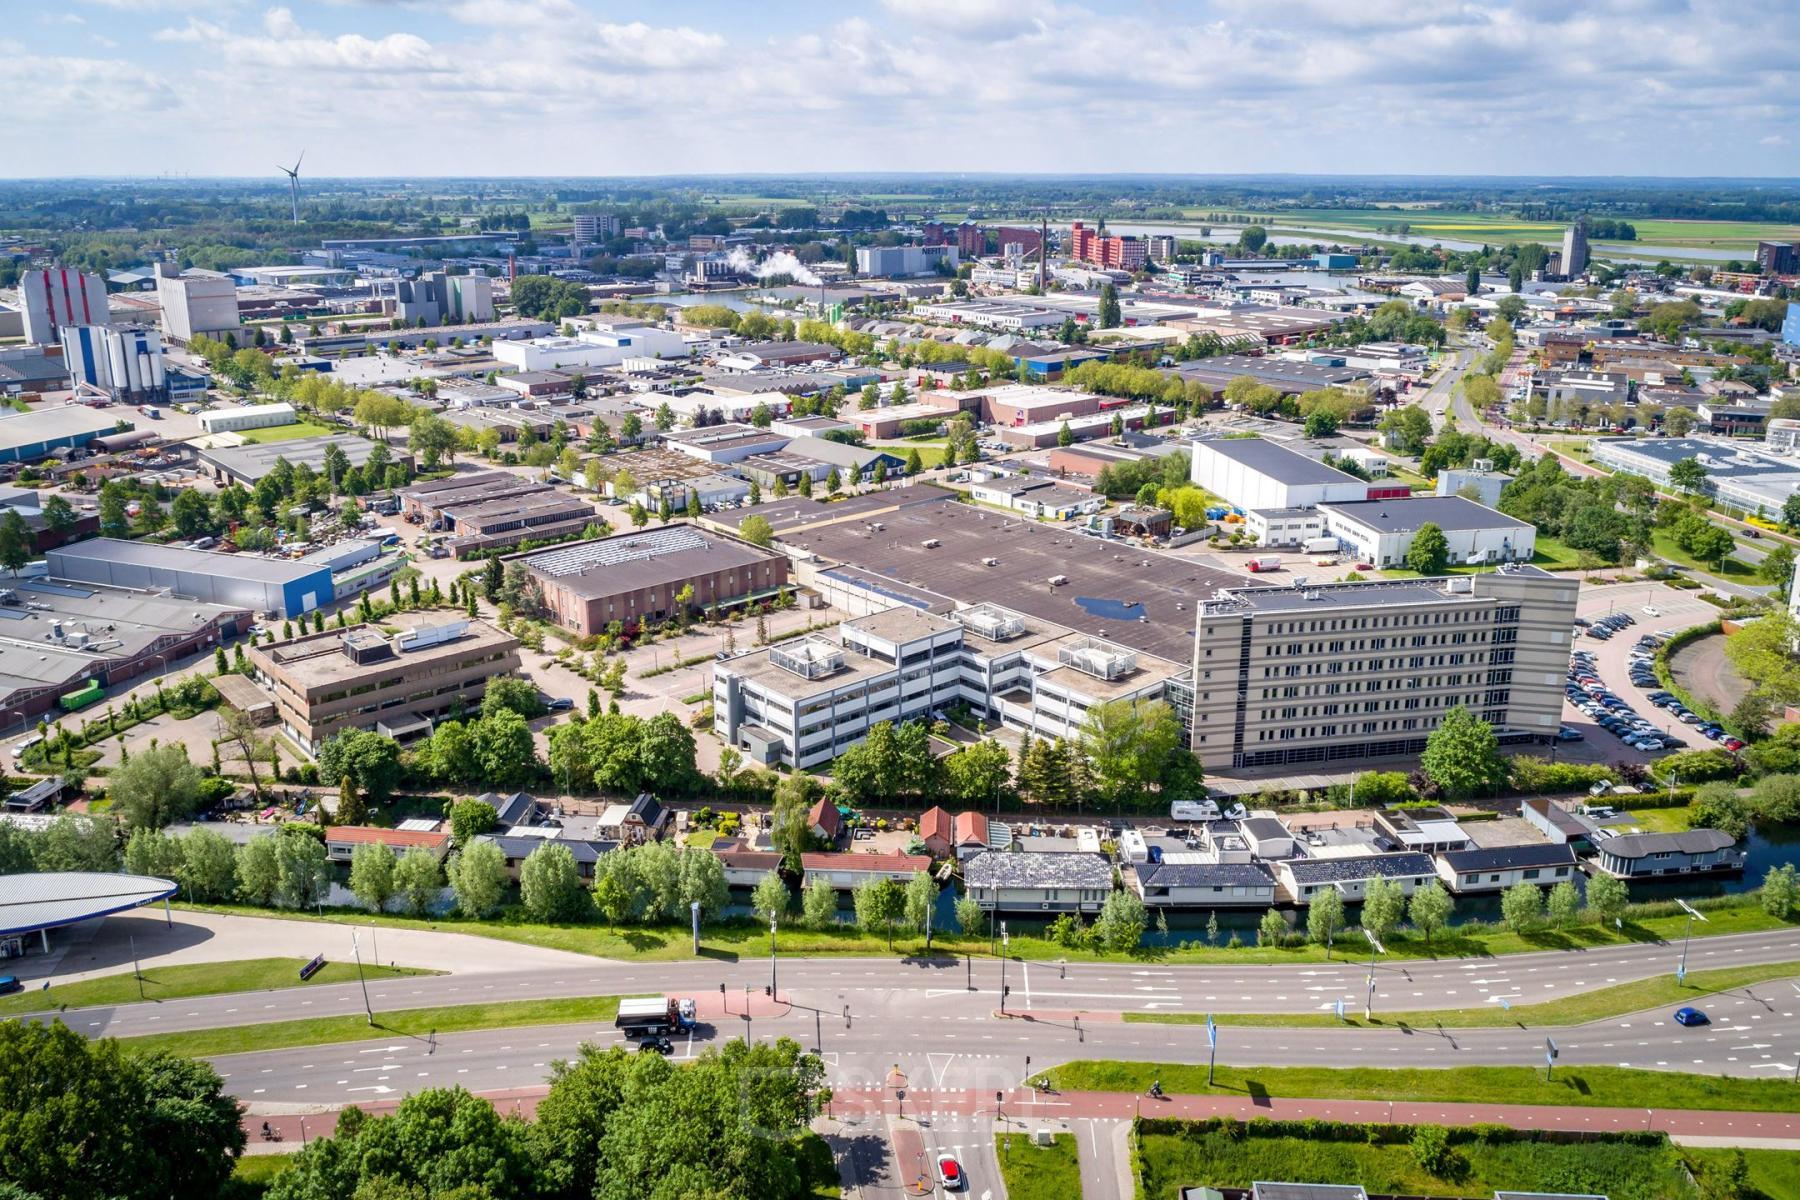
[1733,744]
[950,1173]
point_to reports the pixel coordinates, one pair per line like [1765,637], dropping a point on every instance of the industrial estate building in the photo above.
[234,418]
[636,577]
[364,678]
[29,436]
[247,464]
[1735,474]
[264,585]
[1381,532]
[1325,673]
[58,296]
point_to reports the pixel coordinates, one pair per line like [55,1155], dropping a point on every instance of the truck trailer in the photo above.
[652,1016]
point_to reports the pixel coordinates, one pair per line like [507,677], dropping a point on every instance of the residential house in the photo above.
[1037,883]
[1496,868]
[1644,855]
[847,872]
[745,867]
[516,809]
[937,830]
[517,847]
[1305,878]
[971,834]
[1427,830]
[1195,881]
[342,840]
[825,822]
[643,820]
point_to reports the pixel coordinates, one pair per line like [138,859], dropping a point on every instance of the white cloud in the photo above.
[663,49]
[287,46]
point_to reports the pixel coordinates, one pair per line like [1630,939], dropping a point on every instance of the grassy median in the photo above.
[1615,1001]
[188,980]
[1034,1172]
[417,1023]
[1582,1087]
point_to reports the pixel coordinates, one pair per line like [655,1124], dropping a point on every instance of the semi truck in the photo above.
[654,1016]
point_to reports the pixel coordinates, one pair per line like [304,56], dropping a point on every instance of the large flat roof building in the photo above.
[363,678]
[249,463]
[1382,531]
[267,585]
[1736,474]
[1255,473]
[29,436]
[1348,671]
[635,577]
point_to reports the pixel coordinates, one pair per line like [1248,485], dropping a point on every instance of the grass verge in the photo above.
[1774,1174]
[735,939]
[407,1022]
[1574,1087]
[191,979]
[1615,1001]
[253,1175]
[1174,1155]
[1033,1172]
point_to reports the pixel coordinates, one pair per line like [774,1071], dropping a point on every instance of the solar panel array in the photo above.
[573,560]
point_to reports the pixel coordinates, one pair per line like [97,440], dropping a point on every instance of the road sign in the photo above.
[1212,1032]
[1338,1005]
[1550,1050]
[312,968]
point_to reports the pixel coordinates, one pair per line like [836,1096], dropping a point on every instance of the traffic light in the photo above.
[767,991]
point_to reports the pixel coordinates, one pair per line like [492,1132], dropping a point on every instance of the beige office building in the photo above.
[1347,671]
[399,685]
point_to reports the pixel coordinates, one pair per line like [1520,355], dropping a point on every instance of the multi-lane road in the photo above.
[939,1021]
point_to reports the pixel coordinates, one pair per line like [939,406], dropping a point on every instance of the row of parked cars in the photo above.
[1602,628]
[1609,711]
[1643,674]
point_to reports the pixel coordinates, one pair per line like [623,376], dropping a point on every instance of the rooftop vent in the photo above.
[1098,658]
[990,621]
[809,658]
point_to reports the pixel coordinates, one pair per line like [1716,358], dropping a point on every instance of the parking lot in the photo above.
[1608,694]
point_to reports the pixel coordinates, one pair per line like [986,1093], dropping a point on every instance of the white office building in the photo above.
[807,701]
[1382,531]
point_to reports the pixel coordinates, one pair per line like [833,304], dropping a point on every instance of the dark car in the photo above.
[656,1045]
[559,704]
[1691,1016]
[10,984]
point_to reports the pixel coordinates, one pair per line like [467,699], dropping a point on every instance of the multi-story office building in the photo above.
[1774,258]
[1162,246]
[1364,670]
[594,227]
[360,678]
[807,701]
[1091,246]
[195,303]
[58,296]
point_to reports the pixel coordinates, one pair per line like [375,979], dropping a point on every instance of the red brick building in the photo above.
[1118,253]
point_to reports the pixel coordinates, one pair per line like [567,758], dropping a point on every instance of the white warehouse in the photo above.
[1256,474]
[602,346]
[246,416]
[1382,531]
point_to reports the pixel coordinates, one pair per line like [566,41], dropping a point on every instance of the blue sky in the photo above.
[594,87]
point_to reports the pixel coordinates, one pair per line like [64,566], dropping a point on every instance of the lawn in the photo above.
[283,433]
[732,940]
[1774,1173]
[1663,543]
[1034,1172]
[1171,1161]
[1574,1087]
[194,979]
[417,1023]
[254,1174]
[931,453]
[1500,228]
[1615,1001]
[1661,820]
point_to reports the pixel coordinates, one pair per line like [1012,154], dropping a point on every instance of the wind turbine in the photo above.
[294,182]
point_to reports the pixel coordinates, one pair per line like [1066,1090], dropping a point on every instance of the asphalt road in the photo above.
[897,988]
[948,1048]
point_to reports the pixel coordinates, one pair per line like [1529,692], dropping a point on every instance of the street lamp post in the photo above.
[1375,947]
[356,946]
[1005,942]
[772,988]
[1686,937]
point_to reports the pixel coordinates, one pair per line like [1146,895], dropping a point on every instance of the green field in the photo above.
[283,433]
[1616,1001]
[194,979]
[931,453]
[1774,1173]
[1173,1160]
[1499,228]
[1033,1172]
[1573,1086]
[1734,569]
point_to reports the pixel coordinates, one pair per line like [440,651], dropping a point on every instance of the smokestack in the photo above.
[512,267]
[1043,250]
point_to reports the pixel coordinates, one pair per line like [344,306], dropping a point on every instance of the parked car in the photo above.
[10,984]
